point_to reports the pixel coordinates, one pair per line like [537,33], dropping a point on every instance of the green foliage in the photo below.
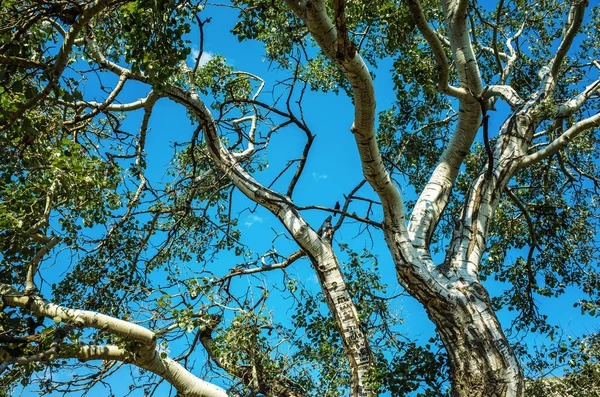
[576,360]
[402,365]
[153,33]
[273,24]
[559,199]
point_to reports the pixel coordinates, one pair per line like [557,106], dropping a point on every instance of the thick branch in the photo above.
[436,46]
[434,197]
[319,250]
[82,318]
[314,14]
[145,355]
[574,104]
[507,93]
[572,26]
[562,141]
[185,382]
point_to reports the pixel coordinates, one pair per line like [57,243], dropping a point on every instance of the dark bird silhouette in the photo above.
[337,207]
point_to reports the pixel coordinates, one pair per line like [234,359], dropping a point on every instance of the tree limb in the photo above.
[319,250]
[562,141]
[436,46]
[572,26]
[145,355]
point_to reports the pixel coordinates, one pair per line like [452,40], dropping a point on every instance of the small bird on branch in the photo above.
[336,208]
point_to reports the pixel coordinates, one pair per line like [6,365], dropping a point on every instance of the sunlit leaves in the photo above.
[144,248]
[152,33]
[271,23]
[577,357]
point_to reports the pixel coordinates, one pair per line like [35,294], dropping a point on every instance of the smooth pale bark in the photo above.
[319,250]
[433,199]
[460,310]
[482,362]
[186,383]
[482,351]
[143,352]
[315,15]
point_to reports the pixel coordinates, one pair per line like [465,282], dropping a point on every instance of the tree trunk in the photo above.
[481,360]
[317,247]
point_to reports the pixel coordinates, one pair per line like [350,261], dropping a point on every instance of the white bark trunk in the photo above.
[482,361]
[434,197]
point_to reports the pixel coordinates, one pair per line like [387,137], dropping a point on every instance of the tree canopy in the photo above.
[166,220]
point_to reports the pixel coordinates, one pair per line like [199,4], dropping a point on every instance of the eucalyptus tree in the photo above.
[484,166]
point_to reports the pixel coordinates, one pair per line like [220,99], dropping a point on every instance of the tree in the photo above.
[142,253]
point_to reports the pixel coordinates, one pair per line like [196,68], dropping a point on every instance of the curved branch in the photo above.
[145,355]
[33,265]
[98,56]
[250,149]
[104,105]
[506,92]
[574,104]
[436,46]
[572,26]
[173,372]
[82,318]
[316,247]
[314,14]
[562,141]
[455,12]
[434,197]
